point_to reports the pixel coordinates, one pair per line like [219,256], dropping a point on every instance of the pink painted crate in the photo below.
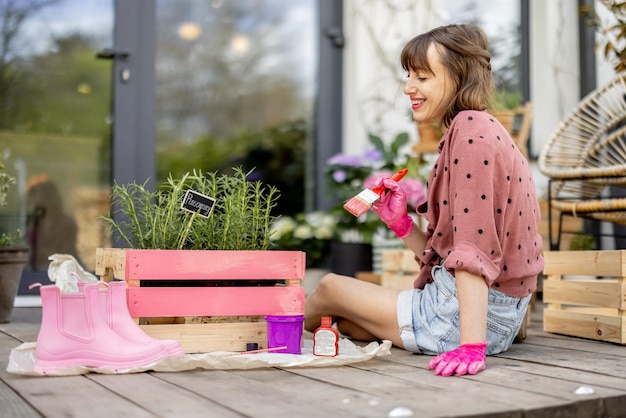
[223,293]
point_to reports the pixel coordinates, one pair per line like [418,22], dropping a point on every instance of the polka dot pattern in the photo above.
[486,214]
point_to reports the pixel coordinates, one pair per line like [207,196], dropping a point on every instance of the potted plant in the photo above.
[199,267]
[240,219]
[504,107]
[13,256]
[310,232]
[348,175]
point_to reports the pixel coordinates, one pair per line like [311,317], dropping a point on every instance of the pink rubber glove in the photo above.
[467,359]
[391,208]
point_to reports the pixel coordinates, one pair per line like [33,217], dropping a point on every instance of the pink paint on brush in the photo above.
[362,202]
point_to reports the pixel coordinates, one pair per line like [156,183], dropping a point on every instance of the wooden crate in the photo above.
[399,269]
[205,286]
[591,302]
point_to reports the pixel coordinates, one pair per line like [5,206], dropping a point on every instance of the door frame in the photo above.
[134,90]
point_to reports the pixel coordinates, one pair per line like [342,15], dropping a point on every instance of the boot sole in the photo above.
[50,364]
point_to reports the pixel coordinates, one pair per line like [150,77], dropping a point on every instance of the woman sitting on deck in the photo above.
[481,252]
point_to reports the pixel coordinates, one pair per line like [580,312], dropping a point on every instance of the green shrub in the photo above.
[240,220]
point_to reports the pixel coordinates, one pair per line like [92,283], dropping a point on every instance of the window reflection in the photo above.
[55,102]
[236,87]
[501,22]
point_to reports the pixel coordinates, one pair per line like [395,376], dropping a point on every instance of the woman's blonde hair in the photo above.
[464,53]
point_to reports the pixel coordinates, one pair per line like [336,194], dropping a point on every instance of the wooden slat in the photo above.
[215,265]
[110,263]
[161,398]
[11,403]
[585,263]
[215,301]
[537,378]
[380,376]
[397,281]
[399,260]
[594,324]
[206,338]
[200,264]
[601,293]
[528,388]
[368,276]
[257,399]
[69,396]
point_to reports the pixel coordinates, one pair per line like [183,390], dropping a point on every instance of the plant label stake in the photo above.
[198,203]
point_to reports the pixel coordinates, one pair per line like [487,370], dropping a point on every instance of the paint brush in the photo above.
[362,202]
[265,350]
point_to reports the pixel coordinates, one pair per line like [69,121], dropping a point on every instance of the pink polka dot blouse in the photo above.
[482,208]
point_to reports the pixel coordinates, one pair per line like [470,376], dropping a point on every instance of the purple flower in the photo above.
[339,176]
[343,159]
[372,156]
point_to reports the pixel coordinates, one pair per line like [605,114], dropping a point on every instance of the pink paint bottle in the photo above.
[326,339]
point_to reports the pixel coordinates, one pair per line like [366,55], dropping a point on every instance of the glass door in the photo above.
[236,83]
[55,127]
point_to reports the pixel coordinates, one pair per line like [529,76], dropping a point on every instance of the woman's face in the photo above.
[430,94]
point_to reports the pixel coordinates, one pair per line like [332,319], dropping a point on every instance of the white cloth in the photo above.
[60,272]
[22,360]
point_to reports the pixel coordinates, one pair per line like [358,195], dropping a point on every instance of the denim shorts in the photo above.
[429,318]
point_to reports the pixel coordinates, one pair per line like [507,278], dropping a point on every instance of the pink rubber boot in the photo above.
[73,333]
[114,308]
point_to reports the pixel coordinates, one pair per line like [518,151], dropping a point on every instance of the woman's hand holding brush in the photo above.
[391,207]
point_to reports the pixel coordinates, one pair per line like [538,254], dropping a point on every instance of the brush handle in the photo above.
[396,177]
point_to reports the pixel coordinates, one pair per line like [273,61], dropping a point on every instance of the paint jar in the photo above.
[285,330]
[326,339]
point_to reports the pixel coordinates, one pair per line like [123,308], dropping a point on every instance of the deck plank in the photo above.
[350,401]
[157,396]
[250,397]
[537,395]
[534,379]
[13,405]
[418,389]
[59,396]
[605,364]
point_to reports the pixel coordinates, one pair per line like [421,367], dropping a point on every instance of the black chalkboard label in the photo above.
[198,203]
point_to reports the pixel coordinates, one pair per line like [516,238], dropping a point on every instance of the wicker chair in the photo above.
[585,156]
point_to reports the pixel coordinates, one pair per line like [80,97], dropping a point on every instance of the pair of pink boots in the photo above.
[93,328]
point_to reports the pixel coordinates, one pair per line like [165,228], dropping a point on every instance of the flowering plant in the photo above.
[348,175]
[309,232]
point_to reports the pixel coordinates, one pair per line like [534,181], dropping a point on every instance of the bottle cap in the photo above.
[252,346]
[327,321]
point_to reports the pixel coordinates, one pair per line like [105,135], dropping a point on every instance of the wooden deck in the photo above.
[537,378]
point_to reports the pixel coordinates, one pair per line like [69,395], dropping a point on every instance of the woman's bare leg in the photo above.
[369,309]
[354,331]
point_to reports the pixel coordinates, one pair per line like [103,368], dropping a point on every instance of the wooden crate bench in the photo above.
[399,269]
[590,305]
[207,285]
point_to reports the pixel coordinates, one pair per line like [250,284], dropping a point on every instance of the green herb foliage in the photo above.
[240,220]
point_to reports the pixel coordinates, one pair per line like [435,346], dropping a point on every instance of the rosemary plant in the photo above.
[240,220]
